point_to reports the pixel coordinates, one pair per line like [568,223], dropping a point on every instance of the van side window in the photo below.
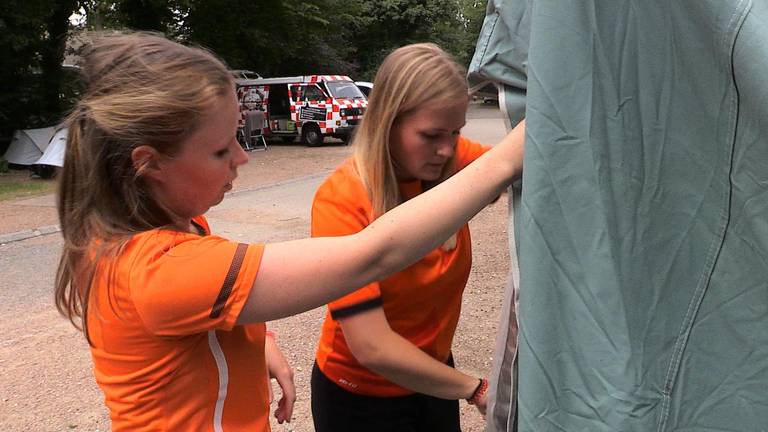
[314,93]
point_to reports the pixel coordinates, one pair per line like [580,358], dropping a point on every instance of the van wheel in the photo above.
[311,136]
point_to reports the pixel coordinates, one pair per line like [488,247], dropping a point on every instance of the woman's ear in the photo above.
[146,162]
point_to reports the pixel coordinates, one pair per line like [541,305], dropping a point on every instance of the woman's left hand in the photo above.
[482,404]
[280,370]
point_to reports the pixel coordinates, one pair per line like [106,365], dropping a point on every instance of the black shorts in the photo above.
[334,409]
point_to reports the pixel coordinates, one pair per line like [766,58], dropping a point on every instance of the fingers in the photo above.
[482,404]
[284,378]
[280,370]
[284,410]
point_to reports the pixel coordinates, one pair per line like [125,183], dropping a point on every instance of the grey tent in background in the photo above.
[54,154]
[27,146]
[642,228]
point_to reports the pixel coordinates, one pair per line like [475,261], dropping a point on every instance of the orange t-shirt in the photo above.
[421,303]
[166,350]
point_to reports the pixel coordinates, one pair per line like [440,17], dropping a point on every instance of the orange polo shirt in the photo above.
[421,303]
[166,350]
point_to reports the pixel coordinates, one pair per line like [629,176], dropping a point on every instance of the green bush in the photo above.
[3,166]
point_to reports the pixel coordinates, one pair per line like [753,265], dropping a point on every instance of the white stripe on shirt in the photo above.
[221,364]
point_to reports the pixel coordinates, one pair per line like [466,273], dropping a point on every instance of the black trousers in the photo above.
[336,410]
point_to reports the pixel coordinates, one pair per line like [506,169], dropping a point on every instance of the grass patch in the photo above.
[18,184]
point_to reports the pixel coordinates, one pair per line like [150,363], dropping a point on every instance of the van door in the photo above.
[310,106]
[278,107]
[309,101]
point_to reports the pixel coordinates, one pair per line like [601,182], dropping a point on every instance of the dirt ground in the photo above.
[47,383]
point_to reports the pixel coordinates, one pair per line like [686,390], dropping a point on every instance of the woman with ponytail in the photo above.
[175,315]
[384,359]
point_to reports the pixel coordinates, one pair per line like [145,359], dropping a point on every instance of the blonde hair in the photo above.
[410,78]
[142,89]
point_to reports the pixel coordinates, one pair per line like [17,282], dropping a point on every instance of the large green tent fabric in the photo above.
[642,228]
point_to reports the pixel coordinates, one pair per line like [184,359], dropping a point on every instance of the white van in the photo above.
[311,107]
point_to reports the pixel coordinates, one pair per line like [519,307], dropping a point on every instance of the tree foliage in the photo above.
[32,39]
[271,37]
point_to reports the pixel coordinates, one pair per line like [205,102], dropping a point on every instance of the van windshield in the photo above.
[344,90]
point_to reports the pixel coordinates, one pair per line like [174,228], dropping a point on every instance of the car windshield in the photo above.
[344,90]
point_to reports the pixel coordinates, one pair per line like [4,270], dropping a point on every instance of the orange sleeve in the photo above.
[467,151]
[192,284]
[341,207]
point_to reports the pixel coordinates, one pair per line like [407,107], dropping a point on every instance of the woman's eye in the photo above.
[430,137]
[221,153]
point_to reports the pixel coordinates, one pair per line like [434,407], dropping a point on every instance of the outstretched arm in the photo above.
[303,274]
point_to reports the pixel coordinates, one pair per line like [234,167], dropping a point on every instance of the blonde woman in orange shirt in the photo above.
[174,315]
[384,360]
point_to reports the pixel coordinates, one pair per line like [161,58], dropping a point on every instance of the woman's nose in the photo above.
[240,156]
[446,148]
